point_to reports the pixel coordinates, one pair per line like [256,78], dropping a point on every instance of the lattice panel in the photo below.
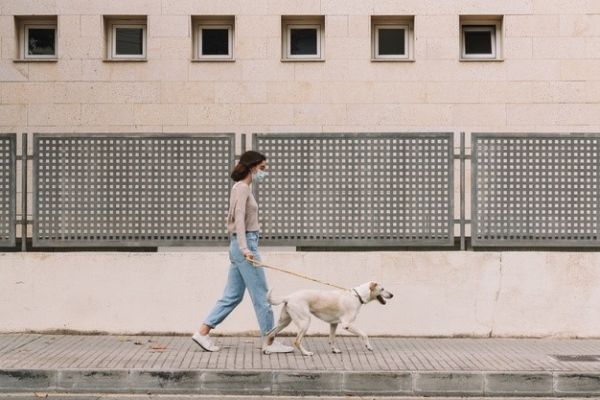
[115,191]
[7,189]
[354,189]
[535,190]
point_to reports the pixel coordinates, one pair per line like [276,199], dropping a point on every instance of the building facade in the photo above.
[311,66]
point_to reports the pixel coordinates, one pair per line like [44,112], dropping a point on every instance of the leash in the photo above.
[257,263]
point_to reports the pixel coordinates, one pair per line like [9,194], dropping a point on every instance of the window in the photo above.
[126,38]
[128,41]
[302,39]
[480,39]
[37,38]
[213,39]
[392,38]
[40,41]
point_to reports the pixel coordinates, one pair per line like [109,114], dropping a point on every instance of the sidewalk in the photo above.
[397,366]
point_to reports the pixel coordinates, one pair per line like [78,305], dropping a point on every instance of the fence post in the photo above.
[462,191]
[24,161]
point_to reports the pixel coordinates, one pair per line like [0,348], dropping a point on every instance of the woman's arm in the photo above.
[239,216]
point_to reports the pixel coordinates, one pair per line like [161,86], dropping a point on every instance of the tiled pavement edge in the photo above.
[397,367]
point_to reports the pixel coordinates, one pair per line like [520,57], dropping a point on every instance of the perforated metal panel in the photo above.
[7,189]
[357,189]
[535,190]
[129,190]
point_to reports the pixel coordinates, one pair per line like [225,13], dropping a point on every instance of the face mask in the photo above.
[259,176]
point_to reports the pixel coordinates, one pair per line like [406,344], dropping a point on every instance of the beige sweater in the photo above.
[243,213]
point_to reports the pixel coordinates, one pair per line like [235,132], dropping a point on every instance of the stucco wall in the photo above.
[435,293]
[549,79]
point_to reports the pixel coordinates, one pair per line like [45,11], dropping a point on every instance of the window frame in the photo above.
[377,27]
[481,26]
[25,36]
[230,35]
[288,41]
[114,25]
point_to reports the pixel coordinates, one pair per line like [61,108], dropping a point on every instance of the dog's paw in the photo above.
[369,347]
[335,350]
[308,353]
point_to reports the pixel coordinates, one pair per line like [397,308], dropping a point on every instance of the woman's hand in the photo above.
[249,256]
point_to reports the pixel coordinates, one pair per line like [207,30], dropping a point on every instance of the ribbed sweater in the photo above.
[243,213]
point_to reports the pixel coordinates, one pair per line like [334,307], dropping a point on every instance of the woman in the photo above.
[242,224]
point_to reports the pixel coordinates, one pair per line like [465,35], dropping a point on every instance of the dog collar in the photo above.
[358,295]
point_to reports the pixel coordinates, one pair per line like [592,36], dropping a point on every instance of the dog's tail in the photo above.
[272,300]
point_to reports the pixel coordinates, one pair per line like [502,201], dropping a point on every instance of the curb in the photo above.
[298,383]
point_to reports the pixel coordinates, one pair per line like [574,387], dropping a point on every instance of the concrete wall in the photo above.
[549,79]
[436,293]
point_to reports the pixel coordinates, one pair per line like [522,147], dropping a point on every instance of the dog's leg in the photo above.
[284,321]
[301,319]
[332,329]
[356,331]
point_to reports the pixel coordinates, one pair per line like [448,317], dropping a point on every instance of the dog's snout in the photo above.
[388,295]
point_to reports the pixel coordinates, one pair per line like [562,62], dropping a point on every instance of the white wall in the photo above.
[435,293]
[549,79]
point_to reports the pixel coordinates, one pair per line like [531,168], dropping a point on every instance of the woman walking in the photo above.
[243,226]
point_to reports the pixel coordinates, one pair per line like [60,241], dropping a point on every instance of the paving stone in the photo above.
[236,382]
[165,381]
[577,384]
[302,383]
[518,384]
[101,381]
[26,379]
[173,365]
[448,383]
[381,383]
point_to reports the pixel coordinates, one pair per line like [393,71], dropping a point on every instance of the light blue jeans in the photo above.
[244,275]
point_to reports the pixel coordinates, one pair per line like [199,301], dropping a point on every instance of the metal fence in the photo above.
[357,189]
[8,157]
[333,190]
[535,190]
[130,190]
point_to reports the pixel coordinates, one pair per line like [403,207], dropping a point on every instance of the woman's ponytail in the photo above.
[239,172]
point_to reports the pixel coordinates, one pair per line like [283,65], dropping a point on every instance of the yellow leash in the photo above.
[256,263]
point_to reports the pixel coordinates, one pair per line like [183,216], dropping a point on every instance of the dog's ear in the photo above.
[372,286]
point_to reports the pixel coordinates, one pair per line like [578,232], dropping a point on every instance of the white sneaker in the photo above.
[277,347]
[204,342]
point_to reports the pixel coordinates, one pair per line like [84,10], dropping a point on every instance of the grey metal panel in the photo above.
[357,189]
[535,190]
[8,189]
[131,189]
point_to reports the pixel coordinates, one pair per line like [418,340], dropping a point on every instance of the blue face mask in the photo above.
[259,176]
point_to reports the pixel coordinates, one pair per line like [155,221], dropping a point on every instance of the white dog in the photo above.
[334,307]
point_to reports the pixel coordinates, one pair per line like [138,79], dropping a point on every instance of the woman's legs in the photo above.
[232,296]
[256,282]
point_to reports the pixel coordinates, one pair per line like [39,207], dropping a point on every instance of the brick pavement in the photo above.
[398,366]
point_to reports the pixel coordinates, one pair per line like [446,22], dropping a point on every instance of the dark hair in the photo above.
[248,160]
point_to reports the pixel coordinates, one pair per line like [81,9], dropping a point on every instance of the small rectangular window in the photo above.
[392,38]
[302,38]
[391,41]
[479,41]
[304,41]
[37,38]
[481,38]
[213,38]
[40,41]
[128,41]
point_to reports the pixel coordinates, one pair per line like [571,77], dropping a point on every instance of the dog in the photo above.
[334,307]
